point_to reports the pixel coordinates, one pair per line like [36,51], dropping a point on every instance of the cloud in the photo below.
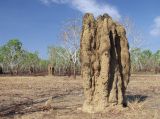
[92,6]
[155,31]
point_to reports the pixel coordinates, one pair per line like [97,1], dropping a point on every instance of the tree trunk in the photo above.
[11,69]
[17,70]
[105,63]
[69,69]
[74,71]
[31,70]
[1,70]
[59,71]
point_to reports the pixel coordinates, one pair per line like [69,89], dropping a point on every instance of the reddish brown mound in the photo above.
[50,69]
[105,62]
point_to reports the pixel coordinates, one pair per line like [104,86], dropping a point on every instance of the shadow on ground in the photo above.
[20,108]
[138,98]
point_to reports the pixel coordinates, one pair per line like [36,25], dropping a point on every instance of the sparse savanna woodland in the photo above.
[65,57]
[15,60]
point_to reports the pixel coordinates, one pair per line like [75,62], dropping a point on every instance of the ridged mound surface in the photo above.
[105,62]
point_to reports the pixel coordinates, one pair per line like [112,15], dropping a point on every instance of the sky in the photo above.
[37,23]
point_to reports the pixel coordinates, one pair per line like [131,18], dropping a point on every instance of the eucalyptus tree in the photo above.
[135,55]
[157,58]
[135,36]
[31,62]
[14,59]
[136,41]
[43,65]
[147,60]
[11,54]
[59,58]
[70,35]
[1,61]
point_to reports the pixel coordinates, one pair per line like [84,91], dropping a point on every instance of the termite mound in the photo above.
[105,62]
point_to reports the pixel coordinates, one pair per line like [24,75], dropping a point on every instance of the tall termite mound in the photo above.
[105,62]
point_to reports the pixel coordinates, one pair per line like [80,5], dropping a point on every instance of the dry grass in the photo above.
[136,105]
[61,98]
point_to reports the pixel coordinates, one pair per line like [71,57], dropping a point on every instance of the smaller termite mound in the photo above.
[50,70]
[105,62]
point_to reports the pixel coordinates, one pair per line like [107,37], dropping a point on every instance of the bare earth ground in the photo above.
[62,98]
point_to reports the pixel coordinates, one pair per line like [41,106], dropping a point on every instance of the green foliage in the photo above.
[1,55]
[43,64]
[144,60]
[157,57]
[59,56]
[11,53]
[14,57]
[30,59]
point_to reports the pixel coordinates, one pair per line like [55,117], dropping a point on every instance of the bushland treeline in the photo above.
[145,60]
[141,60]
[14,60]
